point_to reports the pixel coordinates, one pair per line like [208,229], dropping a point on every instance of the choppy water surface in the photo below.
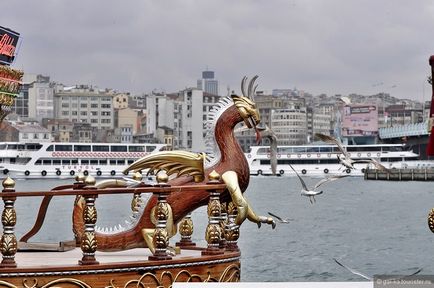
[376,227]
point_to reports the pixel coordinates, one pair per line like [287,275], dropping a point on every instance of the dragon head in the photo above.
[246,105]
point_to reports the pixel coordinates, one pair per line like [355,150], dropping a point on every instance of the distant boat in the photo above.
[65,160]
[318,160]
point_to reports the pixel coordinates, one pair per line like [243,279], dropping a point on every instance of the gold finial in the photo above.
[80,177]
[431,220]
[8,183]
[214,176]
[138,176]
[90,181]
[162,177]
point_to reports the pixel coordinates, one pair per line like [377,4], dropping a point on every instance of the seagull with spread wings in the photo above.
[346,160]
[355,272]
[280,219]
[311,193]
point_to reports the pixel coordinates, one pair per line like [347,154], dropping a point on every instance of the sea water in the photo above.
[376,227]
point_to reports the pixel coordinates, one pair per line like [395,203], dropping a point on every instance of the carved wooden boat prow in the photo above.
[119,257]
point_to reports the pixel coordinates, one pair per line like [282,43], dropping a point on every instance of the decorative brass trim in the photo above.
[121,270]
[230,274]
[431,220]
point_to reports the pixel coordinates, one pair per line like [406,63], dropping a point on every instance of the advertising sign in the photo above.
[360,120]
[8,45]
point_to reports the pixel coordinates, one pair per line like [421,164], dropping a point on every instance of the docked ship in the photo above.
[319,160]
[65,160]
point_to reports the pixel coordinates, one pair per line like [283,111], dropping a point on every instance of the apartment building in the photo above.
[85,104]
[290,125]
[24,132]
[185,112]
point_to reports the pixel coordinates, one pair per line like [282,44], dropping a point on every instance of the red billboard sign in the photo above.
[360,120]
[8,45]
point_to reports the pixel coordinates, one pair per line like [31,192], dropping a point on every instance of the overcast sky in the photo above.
[319,46]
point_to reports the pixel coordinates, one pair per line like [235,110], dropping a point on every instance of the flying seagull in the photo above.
[346,160]
[305,191]
[367,277]
[281,220]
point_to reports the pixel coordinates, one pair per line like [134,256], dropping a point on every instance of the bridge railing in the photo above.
[418,129]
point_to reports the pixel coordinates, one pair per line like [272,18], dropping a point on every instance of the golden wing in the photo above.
[180,162]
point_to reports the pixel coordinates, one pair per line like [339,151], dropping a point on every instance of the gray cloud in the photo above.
[320,46]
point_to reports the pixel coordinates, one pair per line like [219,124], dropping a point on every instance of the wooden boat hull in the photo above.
[114,271]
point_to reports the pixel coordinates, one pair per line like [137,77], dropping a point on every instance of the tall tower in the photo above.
[208,83]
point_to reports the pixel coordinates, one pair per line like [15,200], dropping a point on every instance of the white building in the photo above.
[324,117]
[40,101]
[159,112]
[85,104]
[185,112]
[290,125]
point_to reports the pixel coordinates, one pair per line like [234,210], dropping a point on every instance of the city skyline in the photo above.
[331,47]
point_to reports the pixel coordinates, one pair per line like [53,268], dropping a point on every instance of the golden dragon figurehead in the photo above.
[246,105]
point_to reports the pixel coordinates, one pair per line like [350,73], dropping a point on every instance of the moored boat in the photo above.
[319,160]
[63,160]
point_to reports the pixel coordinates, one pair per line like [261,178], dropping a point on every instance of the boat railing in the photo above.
[219,235]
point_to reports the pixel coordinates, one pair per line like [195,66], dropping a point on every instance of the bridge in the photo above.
[418,129]
[415,136]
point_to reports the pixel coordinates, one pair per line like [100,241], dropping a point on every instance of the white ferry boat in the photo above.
[63,160]
[319,160]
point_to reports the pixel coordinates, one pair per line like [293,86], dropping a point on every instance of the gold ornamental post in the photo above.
[9,219]
[213,230]
[223,223]
[186,230]
[88,241]
[161,213]
[232,231]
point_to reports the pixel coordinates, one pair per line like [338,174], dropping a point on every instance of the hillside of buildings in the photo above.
[50,111]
